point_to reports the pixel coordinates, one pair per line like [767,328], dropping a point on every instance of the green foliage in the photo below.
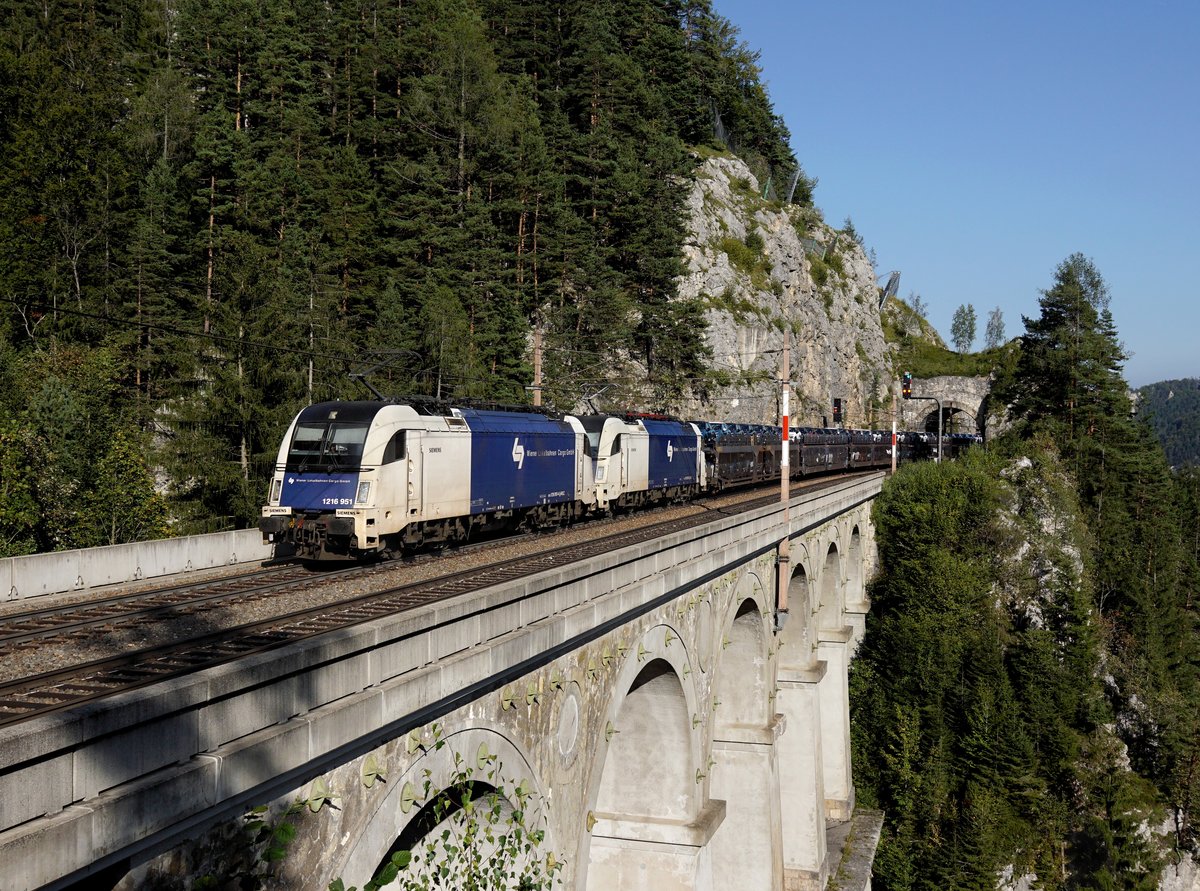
[994,335]
[478,835]
[906,319]
[1069,372]
[1172,408]
[850,232]
[804,219]
[825,265]
[925,359]
[73,471]
[123,506]
[272,839]
[976,682]
[921,351]
[833,259]
[819,270]
[740,185]
[230,205]
[18,504]
[251,849]
[1097,580]
[962,327]
[747,257]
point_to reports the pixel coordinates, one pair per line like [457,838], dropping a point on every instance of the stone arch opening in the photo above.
[830,606]
[798,592]
[746,849]
[650,790]
[462,851]
[742,683]
[648,770]
[956,418]
[795,640]
[469,764]
[959,420]
[855,590]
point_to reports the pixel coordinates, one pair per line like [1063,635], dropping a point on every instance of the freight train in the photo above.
[375,478]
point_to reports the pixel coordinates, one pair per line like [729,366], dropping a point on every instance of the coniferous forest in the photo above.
[1173,410]
[210,212]
[1027,697]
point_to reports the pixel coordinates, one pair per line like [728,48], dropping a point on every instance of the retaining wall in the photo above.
[61,571]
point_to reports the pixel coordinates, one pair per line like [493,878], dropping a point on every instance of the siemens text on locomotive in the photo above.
[356,479]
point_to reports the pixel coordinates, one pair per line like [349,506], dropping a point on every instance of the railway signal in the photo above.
[906,386]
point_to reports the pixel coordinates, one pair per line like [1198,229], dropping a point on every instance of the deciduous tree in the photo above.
[995,329]
[962,327]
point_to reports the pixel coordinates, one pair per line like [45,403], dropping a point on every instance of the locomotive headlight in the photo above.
[364,492]
[276,488]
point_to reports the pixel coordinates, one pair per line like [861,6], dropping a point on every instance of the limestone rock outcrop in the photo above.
[765,272]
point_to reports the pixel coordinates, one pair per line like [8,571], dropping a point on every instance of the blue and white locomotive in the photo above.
[642,460]
[355,478]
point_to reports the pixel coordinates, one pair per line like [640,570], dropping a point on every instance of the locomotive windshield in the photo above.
[336,445]
[593,426]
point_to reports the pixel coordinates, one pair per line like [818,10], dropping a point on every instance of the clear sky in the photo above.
[976,145]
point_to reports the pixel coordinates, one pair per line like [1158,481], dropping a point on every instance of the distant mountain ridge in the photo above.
[1173,410]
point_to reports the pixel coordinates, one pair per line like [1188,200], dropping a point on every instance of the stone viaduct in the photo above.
[647,710]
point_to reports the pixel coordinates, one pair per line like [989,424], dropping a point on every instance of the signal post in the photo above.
[908,394]
[784,562]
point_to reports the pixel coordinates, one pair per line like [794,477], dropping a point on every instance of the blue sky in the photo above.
[977,145]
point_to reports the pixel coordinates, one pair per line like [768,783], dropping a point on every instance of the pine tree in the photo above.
[1070,364]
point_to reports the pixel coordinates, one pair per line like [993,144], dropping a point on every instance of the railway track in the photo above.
[31,628]
[51,691]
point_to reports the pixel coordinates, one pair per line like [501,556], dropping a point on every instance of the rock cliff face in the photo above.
[764,273]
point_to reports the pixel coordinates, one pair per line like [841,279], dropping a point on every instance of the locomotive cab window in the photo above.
[395,448]
[332,445]
[593,427]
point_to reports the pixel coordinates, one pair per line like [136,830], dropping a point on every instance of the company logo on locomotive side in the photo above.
[520,453]
[673,449]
